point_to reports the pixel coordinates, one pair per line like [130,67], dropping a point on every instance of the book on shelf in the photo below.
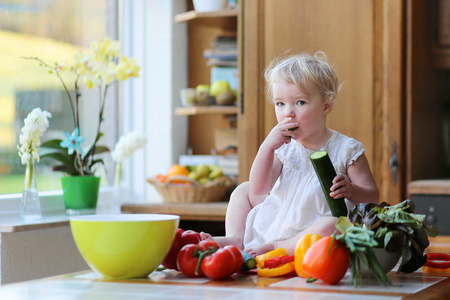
[221,53]
[222,62]
[224,52]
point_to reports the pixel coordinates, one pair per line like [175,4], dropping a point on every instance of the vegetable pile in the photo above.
[393,228]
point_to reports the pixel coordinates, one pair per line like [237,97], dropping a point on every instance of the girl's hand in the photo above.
[280,134]
[342,187]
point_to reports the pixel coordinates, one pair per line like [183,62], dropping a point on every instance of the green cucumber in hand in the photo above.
[326,173]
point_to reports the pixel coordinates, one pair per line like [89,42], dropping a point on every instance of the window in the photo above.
[51,30]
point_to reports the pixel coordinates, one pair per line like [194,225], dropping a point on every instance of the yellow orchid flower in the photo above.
[88,82]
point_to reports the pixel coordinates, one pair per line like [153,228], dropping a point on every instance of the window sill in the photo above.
[53,211]
[15,224]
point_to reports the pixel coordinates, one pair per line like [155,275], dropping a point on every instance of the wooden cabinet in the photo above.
[427,97]
[363,40]
[394,99]
[440,42]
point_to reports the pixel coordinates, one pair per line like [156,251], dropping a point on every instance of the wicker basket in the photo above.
[213,191]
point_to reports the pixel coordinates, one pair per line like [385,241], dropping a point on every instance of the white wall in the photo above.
[151,36]
[38,253]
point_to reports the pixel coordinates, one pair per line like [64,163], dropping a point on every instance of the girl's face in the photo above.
[307,107]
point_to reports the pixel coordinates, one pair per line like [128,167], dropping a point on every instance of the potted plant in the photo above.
[396,229]
[100,68]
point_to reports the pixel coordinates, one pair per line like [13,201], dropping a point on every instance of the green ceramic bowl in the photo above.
[124,246]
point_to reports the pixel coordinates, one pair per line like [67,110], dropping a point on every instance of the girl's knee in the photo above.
[242,189]
[326,226]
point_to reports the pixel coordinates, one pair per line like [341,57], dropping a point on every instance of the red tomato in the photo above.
[239,259]
[327,260]
[208,245]
[182,238]
[187,262]
[219,265]
[170,262]
[190,237]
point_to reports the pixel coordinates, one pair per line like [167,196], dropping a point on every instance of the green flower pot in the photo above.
[80,194]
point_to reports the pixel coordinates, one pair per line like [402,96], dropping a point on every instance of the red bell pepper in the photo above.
[437,262]
[275,263]
[278,261]
[182,238]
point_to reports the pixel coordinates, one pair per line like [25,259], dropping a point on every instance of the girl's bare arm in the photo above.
[358,186]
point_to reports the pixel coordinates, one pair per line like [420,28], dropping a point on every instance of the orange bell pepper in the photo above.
[300,249]
[274,263]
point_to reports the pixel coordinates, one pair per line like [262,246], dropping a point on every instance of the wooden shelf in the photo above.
[429,187]
[205,110]
[213,211]
[192,15]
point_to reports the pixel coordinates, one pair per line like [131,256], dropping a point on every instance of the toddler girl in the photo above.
[283,199]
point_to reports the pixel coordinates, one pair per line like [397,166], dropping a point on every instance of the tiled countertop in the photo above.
[169,285]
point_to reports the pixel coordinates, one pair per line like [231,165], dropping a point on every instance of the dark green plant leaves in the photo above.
[396,227]
[69,164]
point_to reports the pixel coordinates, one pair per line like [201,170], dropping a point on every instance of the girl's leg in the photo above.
[324,227]
[241,202]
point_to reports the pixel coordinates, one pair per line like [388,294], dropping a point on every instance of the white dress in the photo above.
[297,200]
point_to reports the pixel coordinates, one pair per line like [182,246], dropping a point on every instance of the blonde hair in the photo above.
[298,68]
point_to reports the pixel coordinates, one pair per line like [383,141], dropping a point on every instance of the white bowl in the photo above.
[209,5]
[188,97]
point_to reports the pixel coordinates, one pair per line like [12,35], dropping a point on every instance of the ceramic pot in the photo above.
[209,5]
[80,194]
[386,259]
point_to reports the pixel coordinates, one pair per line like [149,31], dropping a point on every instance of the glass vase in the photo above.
[30,206]
[118,192]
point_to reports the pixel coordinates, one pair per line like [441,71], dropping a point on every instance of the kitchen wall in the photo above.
[159,44]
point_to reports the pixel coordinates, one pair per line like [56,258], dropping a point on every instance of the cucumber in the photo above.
[249,262]
[326,173]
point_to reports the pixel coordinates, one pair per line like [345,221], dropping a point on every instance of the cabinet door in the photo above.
[354,35]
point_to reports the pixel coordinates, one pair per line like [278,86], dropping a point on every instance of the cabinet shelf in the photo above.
[192,15]
[204,110]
